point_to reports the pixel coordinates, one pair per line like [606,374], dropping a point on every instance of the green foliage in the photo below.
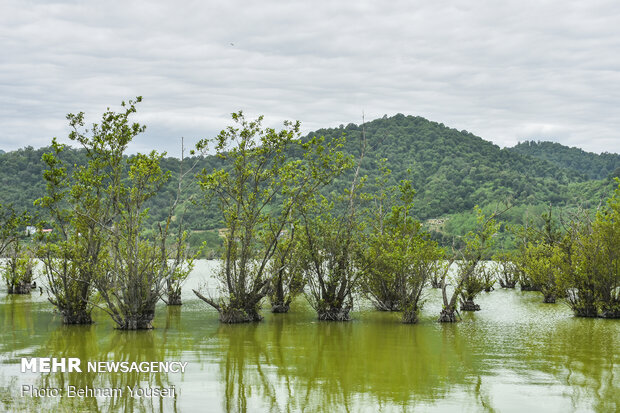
[12,223]
[210,239]
[332,230]
[455,170]
[137,269]
[593,282]
[258,188]
[99,211]
[545,256]
[507,270]
[607,236]
[287,268]
[452,170]
[473,275]
[396,258]
[17,271]
[80,213]
[592,165]
[544,264]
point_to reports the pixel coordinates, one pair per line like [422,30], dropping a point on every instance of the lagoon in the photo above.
[515,354]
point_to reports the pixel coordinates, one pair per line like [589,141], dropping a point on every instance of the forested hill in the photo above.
[451,170]
[592,165]
[454,170]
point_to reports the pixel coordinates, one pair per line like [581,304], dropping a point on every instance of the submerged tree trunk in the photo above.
[142,321]
[610,314]
[586,311]
[582,302]
[447,315]
[610,308]
[508,283]
[610,304]
[389,305]
[20,288]
[174,297]
[334,314]
[469,305]
[236,315]
[279,304]
[76,318]
[280,307]
[74,311]
[410,316]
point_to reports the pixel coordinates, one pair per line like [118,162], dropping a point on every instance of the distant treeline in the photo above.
[451,171]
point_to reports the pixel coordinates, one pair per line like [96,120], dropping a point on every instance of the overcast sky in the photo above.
[505,71]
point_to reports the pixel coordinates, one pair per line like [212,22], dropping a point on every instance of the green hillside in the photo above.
[592,165]
[454,170]
[451,170]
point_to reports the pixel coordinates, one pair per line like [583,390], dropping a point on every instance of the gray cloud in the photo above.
[505,71]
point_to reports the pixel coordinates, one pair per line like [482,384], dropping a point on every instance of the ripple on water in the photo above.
[515,354]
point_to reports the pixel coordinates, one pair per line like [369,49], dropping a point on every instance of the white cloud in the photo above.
[505,71]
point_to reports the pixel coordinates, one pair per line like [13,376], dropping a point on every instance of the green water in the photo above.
[516,354]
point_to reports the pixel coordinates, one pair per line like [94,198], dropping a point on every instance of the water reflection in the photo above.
[336,366]
[88,344]
[515,354]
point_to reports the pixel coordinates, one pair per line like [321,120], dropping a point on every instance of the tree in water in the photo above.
[579,280]
[175,257]
[397,257]
[177,261]
[471,268]
[287,268]
[506,269]
[544,264]
[381,281]
[470,275]
[136,272]
[82,208]
[607,230]
[17,270]
[593,284]
[522,235]
[331,242]
[545,257]
[332,231]
[11,223]
[258,187]
[98,213]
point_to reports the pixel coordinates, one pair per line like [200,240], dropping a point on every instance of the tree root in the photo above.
[339,314]
[469,305]
[280,308]
[447,316]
